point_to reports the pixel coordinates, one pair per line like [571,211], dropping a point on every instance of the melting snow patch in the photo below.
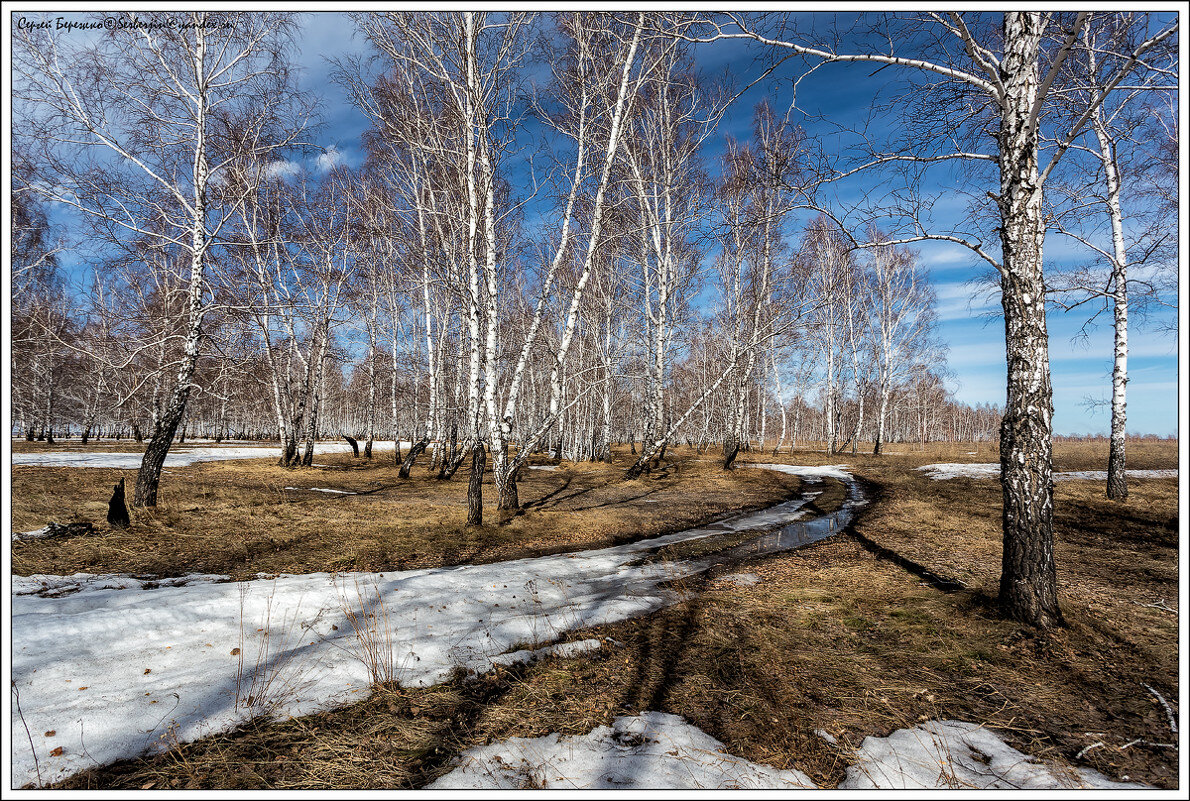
[948,470]
[1101,475]
[940,472]
[48,586]
[948,754]
[179,456]
[104,632]
[740,579]
[177,656]
[562,649]
[321,489]
[810,473]
[827,736]
[649,751]
[543,467]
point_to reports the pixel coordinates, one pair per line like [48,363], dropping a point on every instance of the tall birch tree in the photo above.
[996,75]
[135,128]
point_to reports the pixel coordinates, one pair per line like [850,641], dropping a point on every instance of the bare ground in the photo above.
[889,624]
[237,517]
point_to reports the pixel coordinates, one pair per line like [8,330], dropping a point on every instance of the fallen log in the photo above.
[55,530]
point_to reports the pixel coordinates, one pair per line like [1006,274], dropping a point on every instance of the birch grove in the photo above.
[135,130]
[1012,69]
[1112,179]
[549,246]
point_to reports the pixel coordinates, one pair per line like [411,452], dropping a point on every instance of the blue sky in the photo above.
[842,94]
[1081,368]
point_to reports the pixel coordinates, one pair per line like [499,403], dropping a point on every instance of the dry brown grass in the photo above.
[382,743]
[237,518]
[75,444]
[836,636]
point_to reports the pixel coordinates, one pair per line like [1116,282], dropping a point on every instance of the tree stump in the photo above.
[354,445]
[117,511]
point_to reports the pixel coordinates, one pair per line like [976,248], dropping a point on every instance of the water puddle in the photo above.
[787,538]
[779,528]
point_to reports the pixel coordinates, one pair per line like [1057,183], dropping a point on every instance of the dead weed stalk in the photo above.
[273,677]
[375,638]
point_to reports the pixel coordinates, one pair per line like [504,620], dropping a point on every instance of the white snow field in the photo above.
[649,751]
[949,754]
[810,474]
[948,470]
[107,667]
[117,666]
[179,456]
[1101,475]
[658,750]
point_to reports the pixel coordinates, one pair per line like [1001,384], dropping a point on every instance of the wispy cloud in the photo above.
[329,159]
[1097,345]
[281,169]
[975,355]
[961,300]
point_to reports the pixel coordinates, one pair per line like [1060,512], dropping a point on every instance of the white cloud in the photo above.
[329,159]
[281,169]
[975,355]
[947,256]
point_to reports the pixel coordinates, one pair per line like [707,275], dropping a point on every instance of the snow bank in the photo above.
[1101,475]
[179,456]
[948,470]
[810,473]
[658,750]
[562,649]
[48,586]
[948,754]
[649,751]
[118,666]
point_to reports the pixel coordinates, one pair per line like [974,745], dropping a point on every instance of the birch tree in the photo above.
[467,62]
[754,204]
[831,267]
[668,194]
[997,77]
[40,307]
[591,99]
[136,128]
[1117,158]
[903,319]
